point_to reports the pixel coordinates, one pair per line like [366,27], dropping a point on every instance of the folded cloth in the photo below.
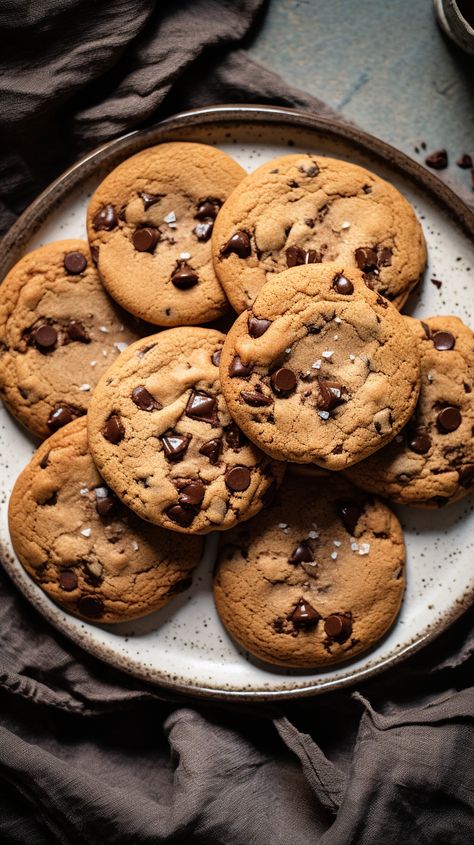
[87,754]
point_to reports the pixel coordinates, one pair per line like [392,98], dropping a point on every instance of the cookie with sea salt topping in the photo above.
[304,209]
[163,438]
[431,462]
[59,332]
[317,579]
[83,547]
[321,369]
[149,225]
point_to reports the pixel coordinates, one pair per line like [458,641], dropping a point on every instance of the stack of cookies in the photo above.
[278,427]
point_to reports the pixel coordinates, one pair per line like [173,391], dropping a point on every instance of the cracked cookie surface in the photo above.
[431,462]
[322,369]
[317,579]
[149,225]
[162,436]
[59,332]
[301,209]
[84,548]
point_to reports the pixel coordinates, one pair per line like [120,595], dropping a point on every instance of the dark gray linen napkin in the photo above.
[87,754]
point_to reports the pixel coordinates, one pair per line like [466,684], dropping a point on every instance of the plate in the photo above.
[184,646]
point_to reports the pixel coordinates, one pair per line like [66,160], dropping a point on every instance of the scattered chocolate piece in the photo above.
[181,515]
[238,244]
[338,626]
[184,277]
[448,419]
[283,381]
[304,614]
[235,438]
[343,285]
[203,231]
[76,331]
[436,282]
[75,263]
[257,327]
[149,199]
[239,370]
[145,239]
[144,400]
[256,400]
[302,554]
[212,450]
[105,218]
[45,337]
[91,606]
[437,160]
[68,580]
[175,445]
[350,510]
[237,479]
[201,407]
[466,475]
[465,161]
[216,357]
[420,443]
[366,258]
[297,255]
[113,430]
[444,341]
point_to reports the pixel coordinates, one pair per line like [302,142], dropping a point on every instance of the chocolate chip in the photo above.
[104,504]
[149,199]
[420,443]
[216,357]
[212,450]
[304,614]
[257,327]
[113,430]
[466,475]
[203,231]
[76,331]
[465,161]
[184,277]
[45,337]
[343,285]
[426,329]
[201,407]
[437,160]
[91,606]
[105,218]
[444,341]
[350,511]
[338,626]
[239,244]
[449,419]
[310,221]
[175,445]
[235,439]
[256,400]
[145,239]
[62,415]
[68,580]
[181,515]
[75,263]
[384,257]
[302,554]
[237,479]
[330,395]
[95,254]
[208,209]
[192,493]
[296,256]
[144,400]
[283,381]
[310,170]
[239,370]
[366,258]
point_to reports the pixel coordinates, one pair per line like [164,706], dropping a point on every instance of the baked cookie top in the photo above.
[59,332]
[431,462]
[317,579]
[302,209]
[84,548]
[322,369]
[149,225]
[163,439]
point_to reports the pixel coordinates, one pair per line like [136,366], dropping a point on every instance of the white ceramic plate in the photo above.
[184,646]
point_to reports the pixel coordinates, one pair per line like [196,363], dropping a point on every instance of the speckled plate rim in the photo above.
[29,222]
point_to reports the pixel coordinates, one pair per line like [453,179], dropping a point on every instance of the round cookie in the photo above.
[302,209]
[317,579]
[84,548]
[163,439]
[149,225]
[59,332]
[431,462]
[322,369]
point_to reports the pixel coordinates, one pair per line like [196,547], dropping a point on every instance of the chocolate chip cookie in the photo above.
[317,579]
[163,439]
[150,223]
[322,369]
[305,209]
[431,462]
[59,332]
[84,548]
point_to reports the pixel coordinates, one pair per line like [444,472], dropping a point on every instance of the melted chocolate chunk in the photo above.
[420,443]
[45,337]
[145,239]
[437,160]
[192,493]
[304,615]
[283,381]
[149,199]
[68,580]
[203,231]
[366,259]
[105,218]
[256,399]
[184,277]
[239,370]
[448,419]
[349,511]
[212,450]
[235,438]
[104,504]
[62,415]
[77,332]
[181,515]
[201,407]
[338,626]
[302,554]
[257,327]
[175,445]
[426,329]
[113,430]
[144,400]
[444,341]
[466,475]
[95,254]
[297,255]
[237,479]
[91,606]
[216,357]
[75,263]
[208,209]
[330,395]
[343,285]
[238,244]
[384,257]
